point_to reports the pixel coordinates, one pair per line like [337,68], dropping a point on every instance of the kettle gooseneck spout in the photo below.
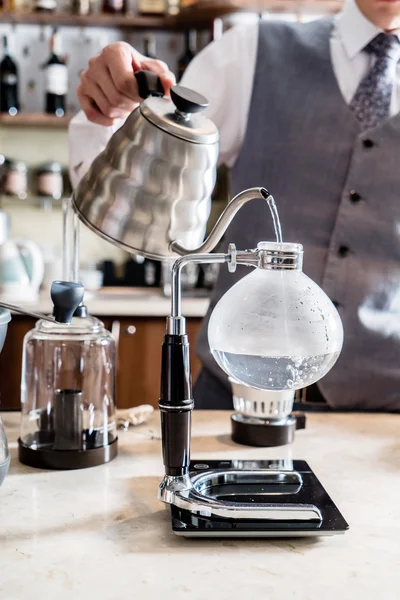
[224,221]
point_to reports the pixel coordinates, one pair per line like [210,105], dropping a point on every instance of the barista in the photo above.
[310,111]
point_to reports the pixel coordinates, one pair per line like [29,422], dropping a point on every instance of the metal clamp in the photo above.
[232,252]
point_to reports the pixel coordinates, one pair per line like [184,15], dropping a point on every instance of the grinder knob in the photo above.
[66,297]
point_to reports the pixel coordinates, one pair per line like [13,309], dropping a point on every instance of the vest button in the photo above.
[343,251]
[367,143]
[354,197]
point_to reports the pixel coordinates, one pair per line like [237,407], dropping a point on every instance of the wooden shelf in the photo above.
[198,16]
[100,20]
[34,120]
[208,10]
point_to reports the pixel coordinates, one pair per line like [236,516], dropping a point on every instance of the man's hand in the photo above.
[108,88]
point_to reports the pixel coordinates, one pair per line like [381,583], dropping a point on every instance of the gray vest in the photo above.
[338,193]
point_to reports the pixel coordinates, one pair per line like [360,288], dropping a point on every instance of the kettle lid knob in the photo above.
[187,101]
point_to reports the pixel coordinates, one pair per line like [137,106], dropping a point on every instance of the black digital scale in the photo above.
[289,490]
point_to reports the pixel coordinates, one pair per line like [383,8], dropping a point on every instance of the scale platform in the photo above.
[295,503]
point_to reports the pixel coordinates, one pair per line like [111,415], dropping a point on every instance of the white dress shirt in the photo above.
[224,72]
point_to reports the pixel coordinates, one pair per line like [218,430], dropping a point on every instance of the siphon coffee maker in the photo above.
[274,330]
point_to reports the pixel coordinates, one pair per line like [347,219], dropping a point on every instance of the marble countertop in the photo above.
[128,302]
[101,534]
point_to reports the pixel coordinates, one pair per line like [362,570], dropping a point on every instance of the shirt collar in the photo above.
[354,29]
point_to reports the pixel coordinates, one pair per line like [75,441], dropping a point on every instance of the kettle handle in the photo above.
[33,261]
[149,84]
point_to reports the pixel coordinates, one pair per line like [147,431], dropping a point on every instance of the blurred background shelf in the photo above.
[199,16]
[122,21]
[204,12]
[34,120]
[32,204]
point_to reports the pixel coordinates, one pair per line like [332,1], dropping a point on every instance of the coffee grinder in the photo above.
[68,416]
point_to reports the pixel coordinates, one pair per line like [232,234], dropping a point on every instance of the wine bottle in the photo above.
[80,7]
[172,7]
[150,46]
[190,51]
[217,30]
[113,6]
[8,82]
[45,6]
[56,78]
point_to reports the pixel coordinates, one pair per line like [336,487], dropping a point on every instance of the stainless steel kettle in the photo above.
[153,182]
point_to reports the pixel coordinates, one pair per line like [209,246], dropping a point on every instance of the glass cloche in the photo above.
[4,453]
[68,395]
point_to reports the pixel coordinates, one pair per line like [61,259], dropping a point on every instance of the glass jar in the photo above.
[50,180]
[3,169]
[15,179]
[151,7]
[68,395]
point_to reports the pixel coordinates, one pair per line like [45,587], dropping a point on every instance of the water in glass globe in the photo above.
[276,329]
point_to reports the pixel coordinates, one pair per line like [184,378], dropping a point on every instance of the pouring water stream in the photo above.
[275,218]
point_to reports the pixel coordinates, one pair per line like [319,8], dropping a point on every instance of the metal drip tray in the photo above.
[253,499]
[247,486]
